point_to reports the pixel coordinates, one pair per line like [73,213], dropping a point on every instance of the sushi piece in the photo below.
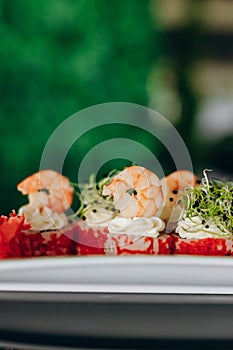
[50,234]
[120,215]
[10,230]
[206,226]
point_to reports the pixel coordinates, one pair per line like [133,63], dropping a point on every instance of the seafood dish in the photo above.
[206,226]
[127,212]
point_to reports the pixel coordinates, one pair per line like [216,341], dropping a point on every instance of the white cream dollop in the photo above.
[137,226]
[99,217]
[43,218]
[195,228]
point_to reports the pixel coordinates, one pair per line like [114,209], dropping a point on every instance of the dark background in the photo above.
[60,56]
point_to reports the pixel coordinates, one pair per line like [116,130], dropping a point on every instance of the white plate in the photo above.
[131,274]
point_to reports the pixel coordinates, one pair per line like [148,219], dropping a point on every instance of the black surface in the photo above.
[59,342]
[117,321]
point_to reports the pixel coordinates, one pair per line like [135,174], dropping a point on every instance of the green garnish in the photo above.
[91,198]
[211,200]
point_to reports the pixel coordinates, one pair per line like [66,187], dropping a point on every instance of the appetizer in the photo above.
[127,212]
[49,194]
[10,230]
[122,215]
[206,224]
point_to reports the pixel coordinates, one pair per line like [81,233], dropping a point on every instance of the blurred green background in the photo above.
[60,56]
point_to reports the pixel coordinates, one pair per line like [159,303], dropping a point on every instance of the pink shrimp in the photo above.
[47,188]
[136,192]
[173,188]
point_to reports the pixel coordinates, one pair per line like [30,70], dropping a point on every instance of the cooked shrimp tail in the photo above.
[173,189]
[136,192]
[49,189]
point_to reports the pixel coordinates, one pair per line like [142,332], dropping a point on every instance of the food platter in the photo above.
[108,300]
[70,283]
[120,274]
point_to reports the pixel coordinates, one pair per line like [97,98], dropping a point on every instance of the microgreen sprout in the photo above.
[211,201]
[91,198]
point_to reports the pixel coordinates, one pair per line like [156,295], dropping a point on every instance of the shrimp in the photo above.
[173,187]
[47,188]
[136,192]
